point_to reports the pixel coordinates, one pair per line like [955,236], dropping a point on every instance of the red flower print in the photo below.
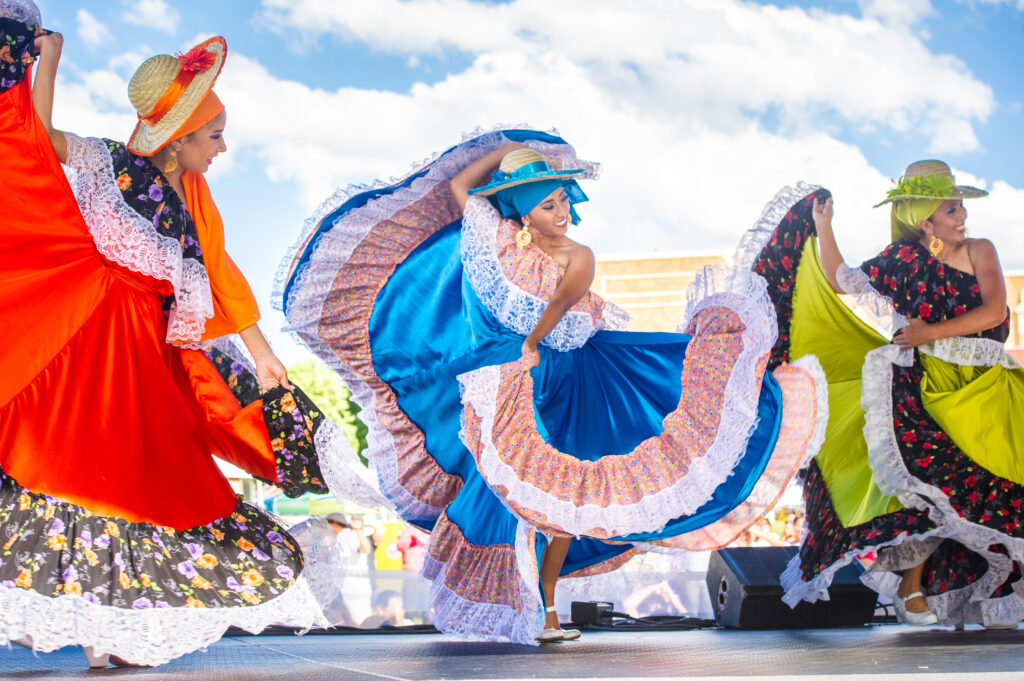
[924,310]
[909,436]
[1011,526]
[906,254]
[873,272]
[973,497]
[985,517]
[971,480]
[787,263]
[925,460]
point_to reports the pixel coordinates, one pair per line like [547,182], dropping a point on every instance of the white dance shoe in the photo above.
[914,619]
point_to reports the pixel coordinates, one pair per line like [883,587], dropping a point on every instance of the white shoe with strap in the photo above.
[914,619]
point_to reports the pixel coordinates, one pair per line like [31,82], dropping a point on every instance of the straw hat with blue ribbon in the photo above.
[520,167]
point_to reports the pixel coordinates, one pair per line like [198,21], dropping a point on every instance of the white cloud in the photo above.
[154,14]
[721,60]
[897,12]
[92,31]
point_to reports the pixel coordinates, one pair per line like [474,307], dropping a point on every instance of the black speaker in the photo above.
[743,583]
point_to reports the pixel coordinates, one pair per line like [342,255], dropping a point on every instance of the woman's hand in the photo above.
[271,373]
[530,349]
[822,214]
[917,332]
[49,44]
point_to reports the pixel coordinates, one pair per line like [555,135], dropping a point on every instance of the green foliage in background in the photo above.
[330,394]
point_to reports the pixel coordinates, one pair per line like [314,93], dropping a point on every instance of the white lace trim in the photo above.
[476,621]
[24,11]
[741,291]
[970,352]
[314,280]
[758,236]
[873,307]
[891,474]
[149,637]
[812,366]
[132,241]
[516,309]
[613,318]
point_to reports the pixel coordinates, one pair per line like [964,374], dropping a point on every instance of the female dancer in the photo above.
[576,442]
[118,531]
[919,475]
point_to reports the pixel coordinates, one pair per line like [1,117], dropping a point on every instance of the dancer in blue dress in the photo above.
[508,413]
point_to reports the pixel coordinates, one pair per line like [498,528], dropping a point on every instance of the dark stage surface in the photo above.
[876,652]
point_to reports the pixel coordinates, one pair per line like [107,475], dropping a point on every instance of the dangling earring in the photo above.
[935,246]
[172,164]
[523,238]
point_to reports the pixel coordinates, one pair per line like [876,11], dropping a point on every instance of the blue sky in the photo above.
[697,110]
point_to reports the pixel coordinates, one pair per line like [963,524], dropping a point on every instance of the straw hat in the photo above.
[522,166]
[165,91]
[930,179]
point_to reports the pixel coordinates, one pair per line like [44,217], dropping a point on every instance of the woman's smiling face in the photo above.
[948,222]
[551,216]
[197,150]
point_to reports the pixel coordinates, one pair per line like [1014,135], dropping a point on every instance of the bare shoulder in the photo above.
[580,254]
[981,250]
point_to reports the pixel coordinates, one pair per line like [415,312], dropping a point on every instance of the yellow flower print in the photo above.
[73,588]
[252,577]
[10,542]
[217,534]
[57,542]
[201,583]
[24,502]
[48,513]
[249,598]
[91,557]
[124,182]
[238,517]
[24,579]
[287,403]
[123,579]
[112,529]
[194,603]
[245,544]
[207,561]
[145,580]
[277,444]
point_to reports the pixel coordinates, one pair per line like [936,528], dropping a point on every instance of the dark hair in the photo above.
[381,598]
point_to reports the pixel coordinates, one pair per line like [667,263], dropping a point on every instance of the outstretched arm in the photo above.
[992,310]
[831,258]
[49,46]
[477,172]
[579,275]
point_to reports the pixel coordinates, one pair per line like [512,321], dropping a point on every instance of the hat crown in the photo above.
[151,80]
[928,167]
[514,160]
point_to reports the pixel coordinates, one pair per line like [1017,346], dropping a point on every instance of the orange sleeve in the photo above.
[234,305]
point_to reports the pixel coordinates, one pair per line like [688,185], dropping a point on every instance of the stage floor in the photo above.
[876,652]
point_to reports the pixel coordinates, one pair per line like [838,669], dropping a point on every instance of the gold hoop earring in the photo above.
[172,164]
[523,238]
[935,246]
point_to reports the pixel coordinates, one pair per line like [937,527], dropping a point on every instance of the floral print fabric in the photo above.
[919,285]
[16,42]
[54,548]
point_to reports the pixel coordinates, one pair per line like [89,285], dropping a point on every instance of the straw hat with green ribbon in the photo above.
[930,179]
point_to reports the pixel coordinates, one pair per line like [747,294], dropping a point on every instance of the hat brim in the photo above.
[959,192]
[495,187]
[146,140]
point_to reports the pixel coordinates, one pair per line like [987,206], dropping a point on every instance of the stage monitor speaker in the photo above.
[743,583]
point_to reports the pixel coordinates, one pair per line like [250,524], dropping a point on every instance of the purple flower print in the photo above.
[142,604]
[186,568]
[119,560]
[155,192]
[275,537]
[56,527]
[102,541]
[259,555]
[232,584]
[91,597]
[194,550]
[285,571]
[85,536]
[70,574]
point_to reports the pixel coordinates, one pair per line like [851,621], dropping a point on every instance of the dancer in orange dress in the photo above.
[118,532]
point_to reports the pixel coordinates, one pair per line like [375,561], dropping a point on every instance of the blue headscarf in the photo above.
[519,200]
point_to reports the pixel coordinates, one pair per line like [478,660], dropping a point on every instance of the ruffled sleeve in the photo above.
[131,240]
[516,284]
